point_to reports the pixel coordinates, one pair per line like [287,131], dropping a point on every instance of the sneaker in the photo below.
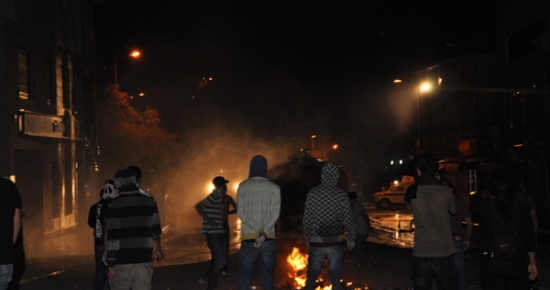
[202,281]
[374,261]
[225,273]
[360,264]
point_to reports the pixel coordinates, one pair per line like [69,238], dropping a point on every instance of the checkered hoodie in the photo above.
[327,207]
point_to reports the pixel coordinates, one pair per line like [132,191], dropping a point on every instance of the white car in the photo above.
[395,194]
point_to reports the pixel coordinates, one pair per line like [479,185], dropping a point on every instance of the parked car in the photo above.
[395,194]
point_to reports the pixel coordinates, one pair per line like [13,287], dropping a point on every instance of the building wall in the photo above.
[41,136]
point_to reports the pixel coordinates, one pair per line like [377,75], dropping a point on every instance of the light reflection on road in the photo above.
[392,227]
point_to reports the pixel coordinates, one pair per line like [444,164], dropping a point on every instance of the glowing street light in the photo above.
[421,87]
[133,54]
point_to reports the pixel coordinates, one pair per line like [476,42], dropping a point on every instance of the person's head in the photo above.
[501,185]
[126,179]
[137,171]
[427,164]
[352,195]
[109,190]
[330,174]
[220,182]
[258,166]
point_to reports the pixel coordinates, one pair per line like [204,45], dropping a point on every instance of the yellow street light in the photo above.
[134,54]
[421,87]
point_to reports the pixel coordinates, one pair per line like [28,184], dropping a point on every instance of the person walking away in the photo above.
[258,207]
[226,203]
[327,208]
[508,244]
[10,227]
[210,210]
[461,238]
[133,226]
[362,228]
[97,219]
[430,202]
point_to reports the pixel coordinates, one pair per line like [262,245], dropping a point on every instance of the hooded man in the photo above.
[258,207]
[97,219]
[210,209]
[133,225]
[327,208]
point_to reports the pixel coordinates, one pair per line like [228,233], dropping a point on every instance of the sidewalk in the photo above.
[391,272]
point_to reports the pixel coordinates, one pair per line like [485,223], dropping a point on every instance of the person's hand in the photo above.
[159,256]
[111,273]
[104,261]
[533,272]
[351,246]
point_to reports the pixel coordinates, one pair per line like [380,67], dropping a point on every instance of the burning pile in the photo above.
[298,277]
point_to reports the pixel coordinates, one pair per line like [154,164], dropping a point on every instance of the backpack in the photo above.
[503,245]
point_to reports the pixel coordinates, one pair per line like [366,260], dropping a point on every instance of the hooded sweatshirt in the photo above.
[327,207]
[258,202]
[132,223]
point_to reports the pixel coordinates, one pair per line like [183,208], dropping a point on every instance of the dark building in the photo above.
[488,110]
[47,69]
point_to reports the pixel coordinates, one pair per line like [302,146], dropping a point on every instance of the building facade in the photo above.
[47,69]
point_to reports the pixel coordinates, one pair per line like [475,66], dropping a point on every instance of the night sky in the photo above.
[346,52]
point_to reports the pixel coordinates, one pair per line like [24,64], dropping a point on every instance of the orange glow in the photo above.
[298,261]
[135,53]
[335,146]
[397,81]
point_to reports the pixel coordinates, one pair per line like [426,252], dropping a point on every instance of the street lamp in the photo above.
[421,87]
[133,54]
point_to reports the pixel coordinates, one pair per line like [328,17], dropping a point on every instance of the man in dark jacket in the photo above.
[516,271]
[327,208]
[97,219]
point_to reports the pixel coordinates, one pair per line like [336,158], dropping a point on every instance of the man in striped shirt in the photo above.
[133,225]
[210,209]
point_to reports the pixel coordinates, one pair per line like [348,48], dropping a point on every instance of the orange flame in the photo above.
[298,261]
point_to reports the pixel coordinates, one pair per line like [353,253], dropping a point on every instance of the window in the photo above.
[59,82]
[24,74]
[50,79]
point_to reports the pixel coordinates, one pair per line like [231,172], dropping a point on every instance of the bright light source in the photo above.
[397,81]
[210,79]
[313,136]
[141,94]
[391,162]
[135,53]
[335,146]
[396,182]
[424,87]
[400,161]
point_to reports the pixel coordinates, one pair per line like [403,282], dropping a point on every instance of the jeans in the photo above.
[216,244]
[512,276]
[459,264]
[100,268]
[247,259]
[132,276]
[427,269]
[360,241]
[315,262]
[6,273]
[226,236]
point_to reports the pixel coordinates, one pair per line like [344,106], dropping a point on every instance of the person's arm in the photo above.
[535,221]
[16,224]
[159,255]
[275,210]
[469,228]
[242,210]
[532,267]
[200,209]
[452,203]
[233,204]
[349,224]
